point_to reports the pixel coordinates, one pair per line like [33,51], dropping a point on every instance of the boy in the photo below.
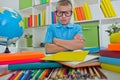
[63,35]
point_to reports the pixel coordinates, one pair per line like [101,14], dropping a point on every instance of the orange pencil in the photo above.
[5,73]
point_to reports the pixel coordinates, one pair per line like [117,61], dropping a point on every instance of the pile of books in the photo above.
[110,58]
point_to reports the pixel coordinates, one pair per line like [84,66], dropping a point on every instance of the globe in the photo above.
[11,26]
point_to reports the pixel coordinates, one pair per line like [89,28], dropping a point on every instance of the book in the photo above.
[103,9]
[78,13]
[108,53]
[75,14]
[112,8]
[114,47]
[21,56]
[110,67]
[109,60]
[20,61]
[92,49]
[106,8]
[36,65]
[82,12]
[67,56]
[90,60]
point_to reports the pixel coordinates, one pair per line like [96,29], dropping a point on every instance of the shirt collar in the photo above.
[70,25]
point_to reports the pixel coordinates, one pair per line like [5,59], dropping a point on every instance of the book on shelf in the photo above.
[90,60]
[82,12]
[109,60]
[103,10]
[107,8]
[112,8]
[87,11]
[110,67]
[109,53]
[75,14]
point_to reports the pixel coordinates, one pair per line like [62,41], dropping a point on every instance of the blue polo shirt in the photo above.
[62,32]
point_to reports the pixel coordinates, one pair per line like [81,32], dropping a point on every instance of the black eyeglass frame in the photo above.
[65,12]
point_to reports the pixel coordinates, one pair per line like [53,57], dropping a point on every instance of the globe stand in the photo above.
[7,50]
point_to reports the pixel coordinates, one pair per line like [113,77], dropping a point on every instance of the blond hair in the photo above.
[64,3]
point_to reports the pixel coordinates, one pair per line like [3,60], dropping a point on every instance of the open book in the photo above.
[90,60]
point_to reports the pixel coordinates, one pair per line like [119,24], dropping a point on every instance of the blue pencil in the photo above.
[21,75]
[25,74]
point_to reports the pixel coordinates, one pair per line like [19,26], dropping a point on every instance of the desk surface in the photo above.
[110,75]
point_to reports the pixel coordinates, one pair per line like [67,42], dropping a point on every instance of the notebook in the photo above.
[90,60]
[36,65]
[67,56]
[21,56]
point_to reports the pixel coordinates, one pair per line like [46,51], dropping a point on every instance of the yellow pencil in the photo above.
[18,75]
[91,72]
[96,72]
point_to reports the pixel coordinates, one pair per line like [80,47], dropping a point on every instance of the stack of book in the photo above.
[82,12]
[110,58]
[107,8]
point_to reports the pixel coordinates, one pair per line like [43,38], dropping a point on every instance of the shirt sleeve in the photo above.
[79,30]
[48,36]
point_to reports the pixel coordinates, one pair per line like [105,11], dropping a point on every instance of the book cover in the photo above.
[109,60]
[85,12]
[43,18]
[82,13]
[111,7]
[110,67]
[88,12]
[21,56]
[75,14]
[106,8]
[90,60]
[114,47]
[36,65]
[78,13]
[31,20]
[39,19]
[35,20]
[67,56]
[103,10]
[20,61]
[109,53]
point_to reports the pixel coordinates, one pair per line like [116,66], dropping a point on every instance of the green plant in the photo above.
[28,36]
[114,28]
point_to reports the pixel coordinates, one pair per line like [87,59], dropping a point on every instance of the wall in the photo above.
[14,4]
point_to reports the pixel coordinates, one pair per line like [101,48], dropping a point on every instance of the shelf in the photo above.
[41,6]
[110,20]
[26,11]
[81,2]
[86,21]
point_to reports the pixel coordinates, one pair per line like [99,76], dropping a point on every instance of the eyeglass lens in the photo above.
[66,13]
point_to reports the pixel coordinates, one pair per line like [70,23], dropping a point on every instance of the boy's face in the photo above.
[64,14]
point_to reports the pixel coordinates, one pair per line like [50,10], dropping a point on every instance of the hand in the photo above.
[55,40]
[78,36]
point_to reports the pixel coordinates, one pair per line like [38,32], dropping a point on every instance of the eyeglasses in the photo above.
[67,13]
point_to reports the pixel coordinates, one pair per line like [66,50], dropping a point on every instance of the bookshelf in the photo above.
[38,7]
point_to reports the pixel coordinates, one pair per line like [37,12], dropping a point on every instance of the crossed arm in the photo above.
[61,45]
